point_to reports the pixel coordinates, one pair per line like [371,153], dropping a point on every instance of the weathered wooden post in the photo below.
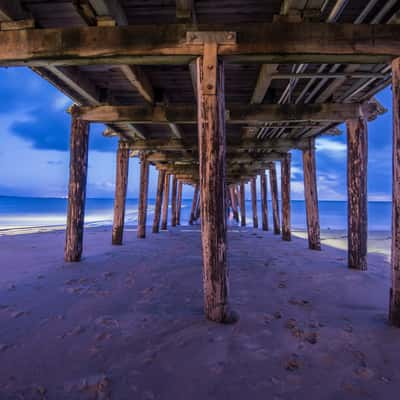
[159,199]
[173,200]
[285,193]
[394,309]
[179,203]
[144,185]
[357,160]
[78,164]
[212,152]
[274,198]
[194,204]
[164,218]
[254,201]
[234,204]
[264,201]
[242,200]
[311,195]
[121,184]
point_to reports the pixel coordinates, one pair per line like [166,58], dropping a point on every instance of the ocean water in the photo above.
[18,212]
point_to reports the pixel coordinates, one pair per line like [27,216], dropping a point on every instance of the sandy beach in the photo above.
[127,322]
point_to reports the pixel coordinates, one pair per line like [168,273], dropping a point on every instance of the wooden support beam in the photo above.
[179,203]
[164,220]
[311,195]
[194,204]
[110,8]
[78,164]
[179,44]
[173,200]
[176,131]
[185,10]
[274,197]
[242,204]
[264,201]
[212,150]
[263,82]
[234,204]
[255,114]
[139,80]
[159,200]
[357,161]
[254,202]
[12,10]
[144,187]
[394,310]
[285,193]
[121,183]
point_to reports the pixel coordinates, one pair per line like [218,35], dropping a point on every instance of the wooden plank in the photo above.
[179,202]
[253,188]
[274,197]
[285,194]
[164,220]
[311,195]
[264,80]
[236,113]
[143,192]
[264,201]
[357,161]
[121,183]
[110,8]
[394,310]
[139,80]
[212,142]
[234,202]
[185,10]
[78,165]
[305,42]
[159,200]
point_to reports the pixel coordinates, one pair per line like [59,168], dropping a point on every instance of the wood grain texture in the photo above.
[121,183]
[357,161]
[159,201]
[173,200]
[78,164]
[234,203]
[164,220]
[285,193]
[394,311]
[212,148]
[264,201]
[143,192]
[242,200]
[253,188]
[311,196]
[274,197]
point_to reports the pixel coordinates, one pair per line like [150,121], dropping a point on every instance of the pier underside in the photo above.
[127,322]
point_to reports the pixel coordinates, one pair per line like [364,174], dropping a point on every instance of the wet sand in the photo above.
[127,322]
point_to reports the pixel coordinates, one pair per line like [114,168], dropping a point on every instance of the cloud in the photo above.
[61,102]
[331,147]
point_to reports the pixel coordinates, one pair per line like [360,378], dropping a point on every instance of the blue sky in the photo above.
[34,137]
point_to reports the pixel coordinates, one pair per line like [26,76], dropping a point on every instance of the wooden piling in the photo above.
[144,185]
[212,153]
[274,198]
[173,200]
[264,201]
[194,204]
[179,203]
[242,200]
[234,204]
[285,193]
[311,195]
[164,218]
[357,160]
[254,202]
[394,309]
[159,200]
[121,184]
[76,189]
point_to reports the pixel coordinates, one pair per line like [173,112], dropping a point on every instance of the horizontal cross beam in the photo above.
[254,114]
[168,44]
